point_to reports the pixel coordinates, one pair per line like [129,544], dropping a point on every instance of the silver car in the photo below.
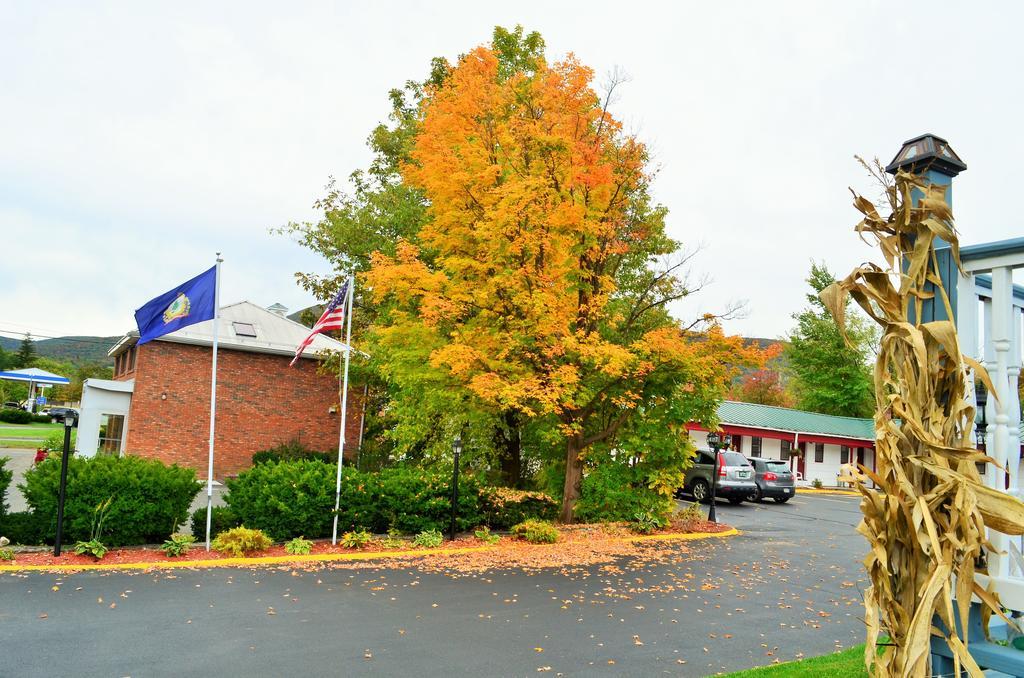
[774,479]
[735,477]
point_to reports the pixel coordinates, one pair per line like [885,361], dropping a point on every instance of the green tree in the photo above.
[26,352]
[830,375]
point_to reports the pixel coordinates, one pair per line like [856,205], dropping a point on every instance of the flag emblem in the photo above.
[178,308]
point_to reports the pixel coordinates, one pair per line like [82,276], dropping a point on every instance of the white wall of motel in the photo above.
[816,461]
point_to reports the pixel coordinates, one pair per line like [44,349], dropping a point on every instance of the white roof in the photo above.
[275,334]
[126,386]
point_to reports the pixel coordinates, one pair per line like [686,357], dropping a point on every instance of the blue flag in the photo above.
[189,303]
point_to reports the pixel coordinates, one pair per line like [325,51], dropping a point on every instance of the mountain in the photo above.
[80,349]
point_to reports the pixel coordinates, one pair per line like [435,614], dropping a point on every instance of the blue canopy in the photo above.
[34,375]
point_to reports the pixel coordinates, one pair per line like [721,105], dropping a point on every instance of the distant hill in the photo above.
[76,349]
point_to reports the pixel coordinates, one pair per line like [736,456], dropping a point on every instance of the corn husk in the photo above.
[925,518]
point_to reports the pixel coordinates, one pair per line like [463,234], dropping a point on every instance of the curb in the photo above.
[842,493]
[324,557]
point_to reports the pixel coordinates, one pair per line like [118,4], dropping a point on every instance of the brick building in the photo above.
[158,404]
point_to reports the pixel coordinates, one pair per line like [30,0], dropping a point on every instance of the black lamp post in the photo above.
[69,422]
[456,451]
[716,442]
[981,398]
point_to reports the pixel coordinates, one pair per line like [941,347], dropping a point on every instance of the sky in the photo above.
[138,139]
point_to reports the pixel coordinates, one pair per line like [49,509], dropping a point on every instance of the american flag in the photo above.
[332,319]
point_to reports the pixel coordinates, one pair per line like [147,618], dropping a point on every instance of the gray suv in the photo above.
[735,477]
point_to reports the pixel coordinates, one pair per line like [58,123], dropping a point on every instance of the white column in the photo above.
[993,476]
[1013,402]
[1002,304]
[967,335]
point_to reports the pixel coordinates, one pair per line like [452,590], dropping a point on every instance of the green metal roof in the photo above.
[798,421]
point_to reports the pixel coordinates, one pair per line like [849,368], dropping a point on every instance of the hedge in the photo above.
[23,528]
[296,498]
[5,481]
[617,492]
[222,519]
[150,500]
[292,450]
[12,416]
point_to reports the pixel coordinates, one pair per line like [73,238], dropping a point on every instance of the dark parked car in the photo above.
[774,479]
[12,405]
[56,414]
[735,477]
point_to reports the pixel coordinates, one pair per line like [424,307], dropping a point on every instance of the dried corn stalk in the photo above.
[925,522]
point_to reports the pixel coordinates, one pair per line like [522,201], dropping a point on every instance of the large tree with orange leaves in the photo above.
[542,273]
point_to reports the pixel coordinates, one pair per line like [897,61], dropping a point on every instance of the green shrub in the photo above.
[222,519]
[5,553]
[55,442]
[291,498]
[178,545]
[393,540]
[292,450]
[484,535]
[240,541]
[40,419]
[536,531]
[503,507]
[24,527]
[285,499]
[6,475]
[817,484]
[645,522]
[428,539]
[299,547]
[93,546]
[12,416]
[150,499]
[615,492]
[356,540]
[691,513]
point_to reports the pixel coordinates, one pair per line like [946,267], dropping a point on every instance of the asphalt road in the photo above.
[788,586]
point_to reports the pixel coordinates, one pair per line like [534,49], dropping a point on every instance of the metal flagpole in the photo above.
[213,400]
[344,406]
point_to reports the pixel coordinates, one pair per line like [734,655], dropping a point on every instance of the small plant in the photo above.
[94,547]
[356,540]
[816,484]
[536,531]
[393,540]
[178,545]
[646,522]
[299,547]
[240,541]
[691,513]
[428,539]
[484,535]
[5,553]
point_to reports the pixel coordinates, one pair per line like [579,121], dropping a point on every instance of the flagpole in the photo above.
[213,400]
[344,407]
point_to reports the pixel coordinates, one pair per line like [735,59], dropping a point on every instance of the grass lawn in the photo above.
[27,435]
[848,664]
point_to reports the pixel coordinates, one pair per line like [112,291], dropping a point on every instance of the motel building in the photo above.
[158,403]
[815,445]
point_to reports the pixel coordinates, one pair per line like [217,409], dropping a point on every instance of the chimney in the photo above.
[278,309]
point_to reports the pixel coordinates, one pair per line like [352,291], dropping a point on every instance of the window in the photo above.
[787,447]
[755,446]
[819,453]
[111,431]
[844,454]
[244,329]
[131,359]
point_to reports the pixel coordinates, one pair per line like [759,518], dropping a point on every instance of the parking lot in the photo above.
[788,586]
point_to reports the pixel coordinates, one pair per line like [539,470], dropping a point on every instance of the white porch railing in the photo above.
[990,310]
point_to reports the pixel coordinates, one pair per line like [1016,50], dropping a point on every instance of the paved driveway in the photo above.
[788,586]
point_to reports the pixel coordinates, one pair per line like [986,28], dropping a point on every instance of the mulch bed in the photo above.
[578,545]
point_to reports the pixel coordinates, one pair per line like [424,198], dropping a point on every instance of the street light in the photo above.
[69,422]
[456,451]
[716,442]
